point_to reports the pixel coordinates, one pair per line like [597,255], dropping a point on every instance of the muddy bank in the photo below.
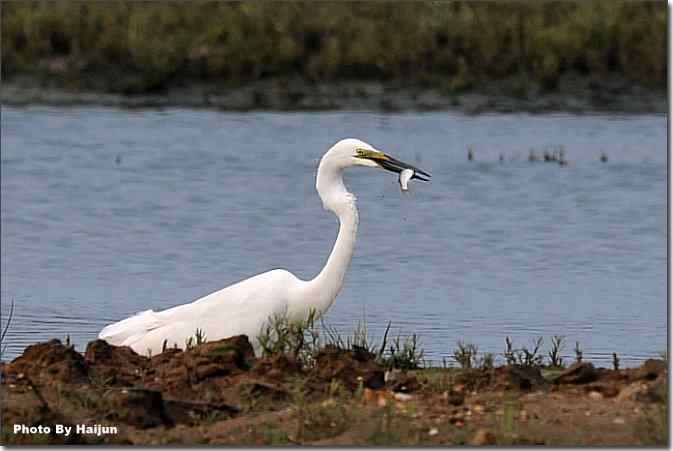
[220,393]
[574,95]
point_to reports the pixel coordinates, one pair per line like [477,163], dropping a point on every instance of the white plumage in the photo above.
[245,307]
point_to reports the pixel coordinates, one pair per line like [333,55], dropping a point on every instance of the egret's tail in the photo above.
[130,329]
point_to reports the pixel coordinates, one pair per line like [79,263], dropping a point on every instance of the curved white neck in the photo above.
[324,288]
[331,278]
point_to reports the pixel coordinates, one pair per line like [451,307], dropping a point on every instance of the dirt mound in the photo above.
[48,363]
[350,367]
[521,377]
[219,392]
[53,384]
[579,373]
[650,370]
[136,406]
[276,367]
[114,365]
[401,381]
[175,371]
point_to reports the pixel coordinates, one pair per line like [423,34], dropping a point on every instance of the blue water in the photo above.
[106,212]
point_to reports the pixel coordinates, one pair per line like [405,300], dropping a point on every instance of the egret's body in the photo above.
[244,307]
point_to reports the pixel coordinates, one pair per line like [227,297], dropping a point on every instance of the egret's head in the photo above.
[353,152]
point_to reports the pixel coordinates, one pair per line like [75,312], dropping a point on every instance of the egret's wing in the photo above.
[239,318]
[122,331]
[242,308]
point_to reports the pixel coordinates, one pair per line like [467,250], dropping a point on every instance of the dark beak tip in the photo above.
[393,165]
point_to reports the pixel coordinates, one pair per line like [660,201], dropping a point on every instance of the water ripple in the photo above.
[108,212]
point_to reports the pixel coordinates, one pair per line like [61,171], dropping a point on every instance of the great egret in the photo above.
[244,307]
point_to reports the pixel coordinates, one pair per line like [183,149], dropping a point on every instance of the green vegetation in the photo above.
[524,356]
[348,397]
[198,338]
[578,352]
[652,429]
[303,340]
[405,354]
[319,420]
[557,346]
[300,339]
[138,47]
[466,354]
[507,431]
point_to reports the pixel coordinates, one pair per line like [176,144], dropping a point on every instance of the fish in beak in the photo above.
[405,176]
[392,164]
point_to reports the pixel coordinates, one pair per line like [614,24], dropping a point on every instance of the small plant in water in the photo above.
[359,341]
[487,362]
[523,356]
[557,345]
[465,354]
[3,343]
[578,352]
[405,354]
[401,353]
[303,340]
[510,358]
[533,358]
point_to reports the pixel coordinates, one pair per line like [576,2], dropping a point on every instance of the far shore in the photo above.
[577,97]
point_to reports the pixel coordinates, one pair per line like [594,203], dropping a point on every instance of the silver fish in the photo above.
[405,176]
